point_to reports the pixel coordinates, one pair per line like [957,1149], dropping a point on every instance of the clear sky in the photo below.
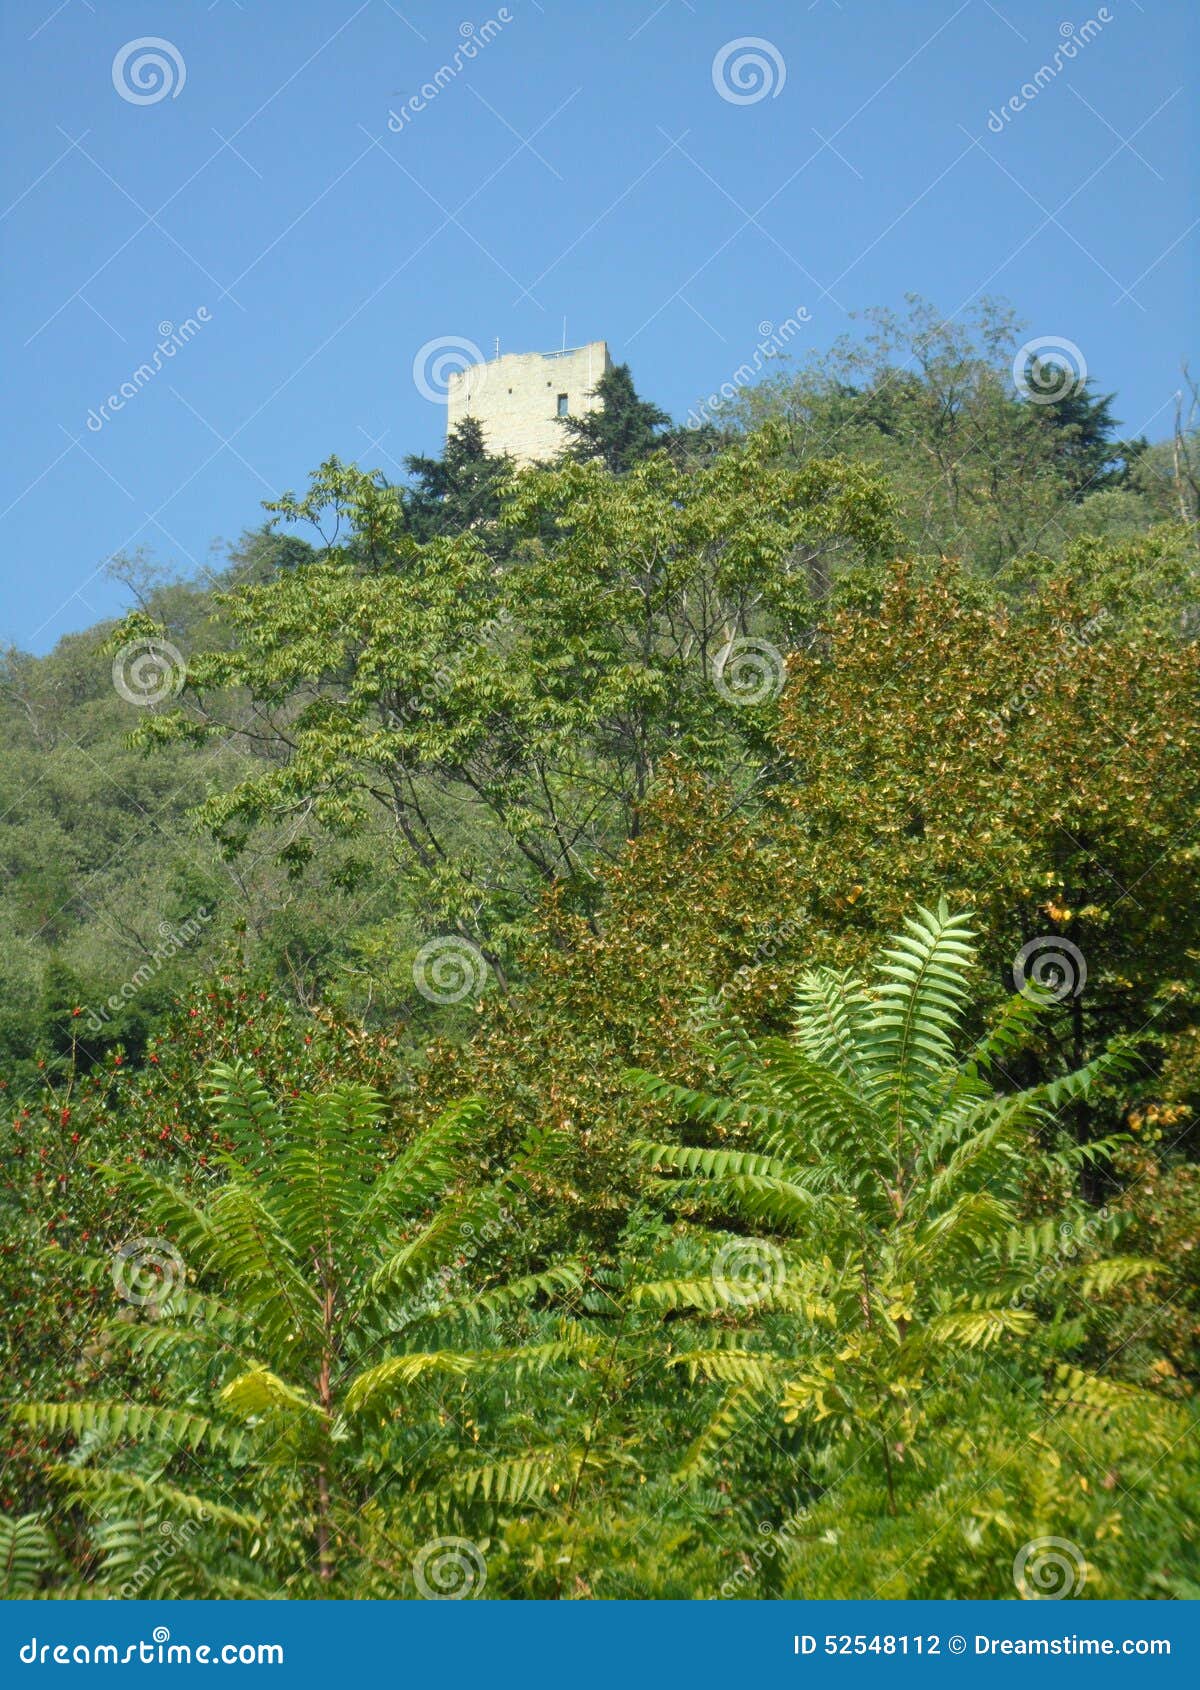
[584,160]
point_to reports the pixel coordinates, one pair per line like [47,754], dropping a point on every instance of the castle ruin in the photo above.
[518,398]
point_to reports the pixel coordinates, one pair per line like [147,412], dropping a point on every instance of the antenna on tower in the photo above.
[497,346]
[564,344]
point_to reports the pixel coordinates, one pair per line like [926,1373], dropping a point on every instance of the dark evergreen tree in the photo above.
[1085,444]
[261,554]
[693,448]
[458,490]
[623,429]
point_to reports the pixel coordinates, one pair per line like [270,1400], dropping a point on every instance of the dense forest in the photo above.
[629,1028]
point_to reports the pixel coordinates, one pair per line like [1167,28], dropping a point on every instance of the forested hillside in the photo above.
[628,1028]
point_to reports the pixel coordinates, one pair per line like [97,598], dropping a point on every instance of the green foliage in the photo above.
[886,1178]
[980,471]
[460,490]
[489,735]
[309,1362]
[25,1554]
[999,1475]
[328,1360]
[885,1275]
[621,431]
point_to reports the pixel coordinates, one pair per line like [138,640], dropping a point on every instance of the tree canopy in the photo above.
[636,1018]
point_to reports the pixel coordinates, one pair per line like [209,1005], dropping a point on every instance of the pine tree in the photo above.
[622,431]
[459,490]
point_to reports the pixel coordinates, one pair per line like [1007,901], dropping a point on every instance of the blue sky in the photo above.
[586,162]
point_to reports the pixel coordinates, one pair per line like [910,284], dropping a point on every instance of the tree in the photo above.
[261,554]
[495,731]
[1084,442]
[302,1332]
[979,472]
[1033,760]
[462,489]
[1037,763]
[886,1179]
[624,429]
[1168,473]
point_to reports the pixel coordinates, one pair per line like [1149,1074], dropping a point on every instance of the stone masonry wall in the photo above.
[516,398]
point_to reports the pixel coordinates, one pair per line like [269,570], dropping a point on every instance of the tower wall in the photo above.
[516,399]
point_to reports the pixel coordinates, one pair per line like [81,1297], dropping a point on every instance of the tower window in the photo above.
[562,405]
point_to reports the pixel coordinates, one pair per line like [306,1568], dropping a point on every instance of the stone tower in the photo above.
[517,399]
